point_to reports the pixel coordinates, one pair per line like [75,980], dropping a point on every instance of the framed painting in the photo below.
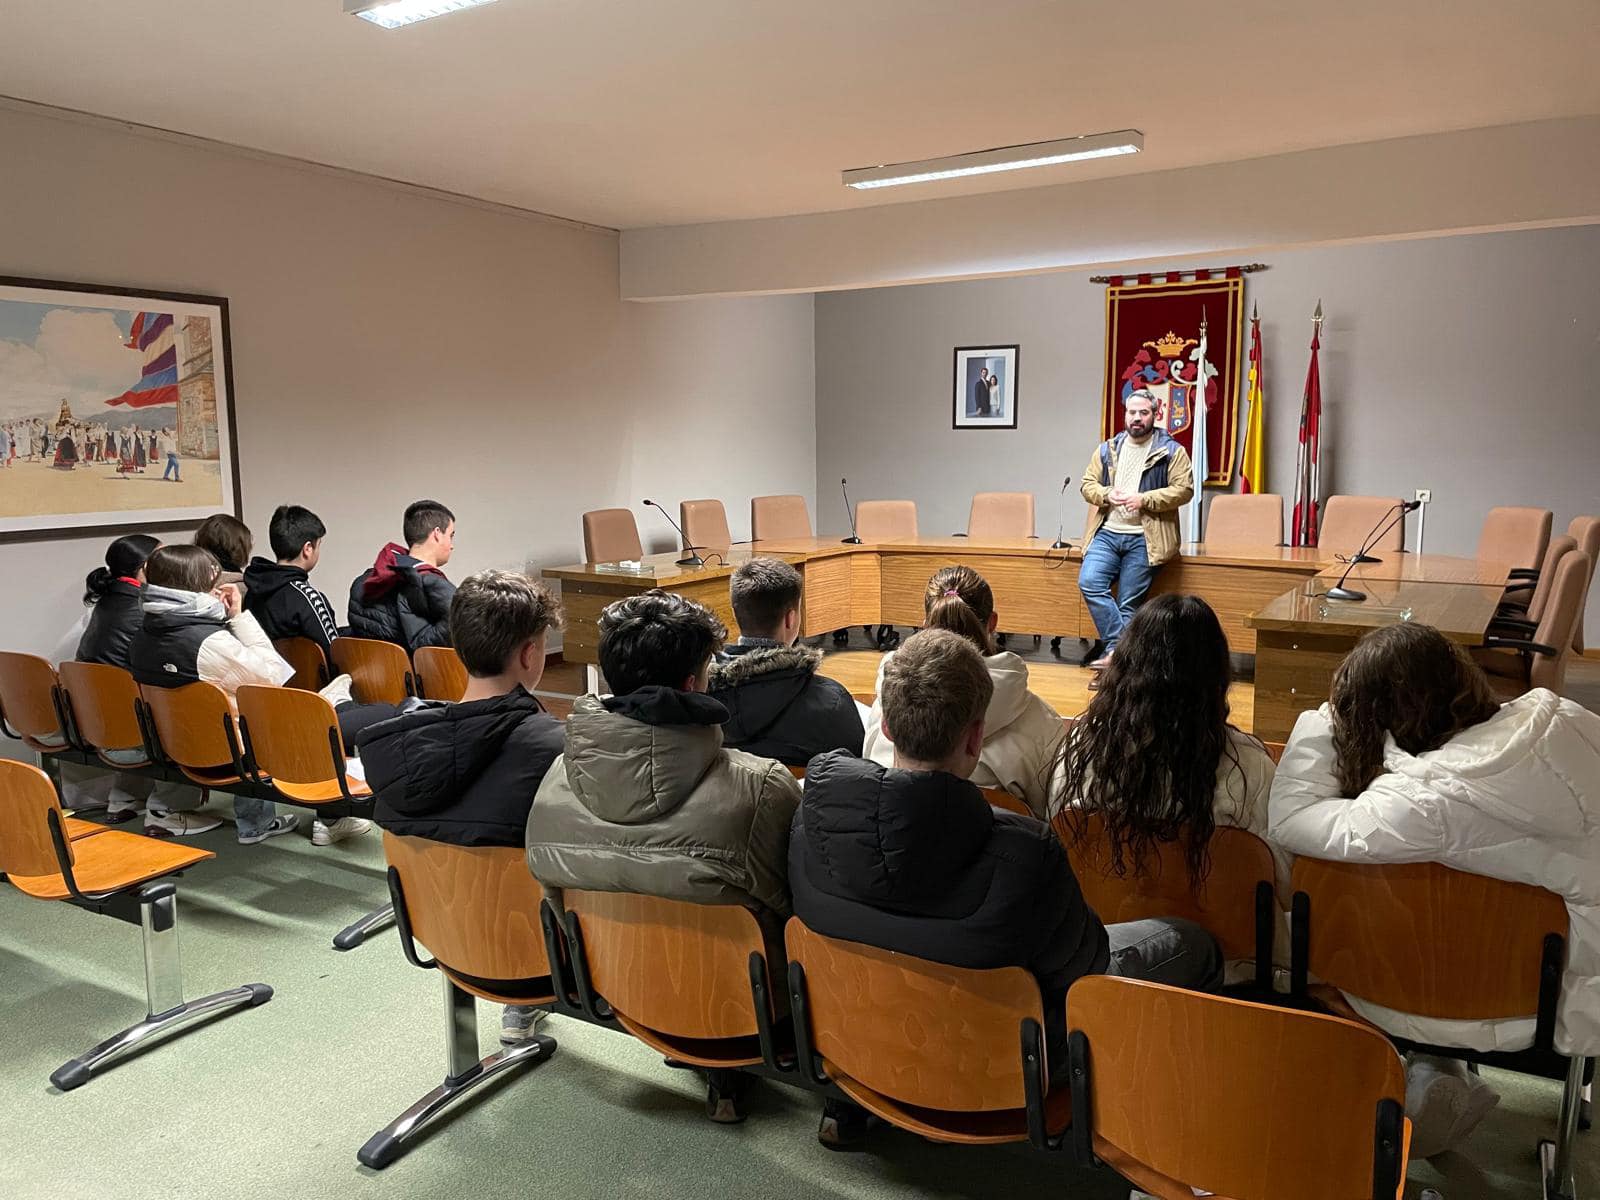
[116,409]
[985,388]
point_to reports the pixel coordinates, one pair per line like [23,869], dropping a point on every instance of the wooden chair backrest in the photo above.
[475,908]
[104,701]
[1001,515]
[1000,798]
[26,799]
[610,535]
[289,732]
[189,724]
[1586,530]
[1425,939]
[919,1032]
[27,684]
[678,968]
[1224,904]
[705,525]
[1559,547]
[1244,1100]
[377,669]
[798,772]
[880,519]
[441,672]
[1347,520]
[1245,520]
[776,517]
[306,657]
[1559,622]
[1275,750]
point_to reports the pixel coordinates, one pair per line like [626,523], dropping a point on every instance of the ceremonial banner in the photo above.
[1152,332]
[1253,458]
[1305,521]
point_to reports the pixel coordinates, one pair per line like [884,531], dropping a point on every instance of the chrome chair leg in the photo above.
[465,1073]
[165,1008]
[1555,1158]
[353,935]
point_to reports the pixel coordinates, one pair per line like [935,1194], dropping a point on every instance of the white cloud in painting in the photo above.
[79,356]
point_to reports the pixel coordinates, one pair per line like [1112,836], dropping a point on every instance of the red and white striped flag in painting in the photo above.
[1303,531]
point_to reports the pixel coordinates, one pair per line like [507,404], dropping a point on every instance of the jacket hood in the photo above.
[1009,674]
[759,684]
[390,569]
[906,841]
[1161,443]
[173,603]
[742,664]
[429,756]
[633,759]
[1528,765]
[264,577]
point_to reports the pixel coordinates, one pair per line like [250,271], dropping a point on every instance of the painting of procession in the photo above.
[116,409]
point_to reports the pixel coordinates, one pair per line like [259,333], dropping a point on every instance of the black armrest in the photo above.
[1514,623]
[1524,573]
[1525,586]
[1500,643]
[958,535]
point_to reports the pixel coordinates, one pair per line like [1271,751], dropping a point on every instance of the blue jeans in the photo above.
[172,468]
[251,814]
[1116,559]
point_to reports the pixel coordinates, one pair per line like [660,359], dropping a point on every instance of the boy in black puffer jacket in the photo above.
[404,596]
[280,594]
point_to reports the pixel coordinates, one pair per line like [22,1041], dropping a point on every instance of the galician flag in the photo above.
[1253,458]
[1203,371]
[1304,523]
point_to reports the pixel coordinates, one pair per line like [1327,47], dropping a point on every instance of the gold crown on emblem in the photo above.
[1171,346]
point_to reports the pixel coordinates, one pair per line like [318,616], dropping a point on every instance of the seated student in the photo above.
[466,773]
[778,706]
[280,594]
[1020,731]
[404,597]
[1412,760]
[646,799]
[195,630]
[911,858]
[230,542]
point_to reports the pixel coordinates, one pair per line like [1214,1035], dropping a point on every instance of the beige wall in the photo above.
[389,345]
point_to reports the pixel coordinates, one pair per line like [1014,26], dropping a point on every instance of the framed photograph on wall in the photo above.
[116,409]
[985,387]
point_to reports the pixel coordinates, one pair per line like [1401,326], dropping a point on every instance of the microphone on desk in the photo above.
[852,540]
[1060,543]
[690,558]
[1385,523]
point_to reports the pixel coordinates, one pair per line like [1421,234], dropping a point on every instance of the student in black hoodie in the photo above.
[280,593]
[912,858]
[778,706]
[404,596]
[466,773]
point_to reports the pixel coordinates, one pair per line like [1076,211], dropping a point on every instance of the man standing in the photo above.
[980,394]
[1135,484]
[169,447]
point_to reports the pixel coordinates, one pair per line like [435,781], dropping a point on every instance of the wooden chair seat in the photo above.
[77,828]
[323,792]
[964,1128]
[1000,798]
[535,996]
[699,1052]
[113,861]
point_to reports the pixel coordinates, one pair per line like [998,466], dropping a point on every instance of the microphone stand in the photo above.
[690,558]
[1385,523]
[1059,543]
[853,539]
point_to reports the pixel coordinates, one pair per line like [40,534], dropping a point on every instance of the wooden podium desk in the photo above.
[1302,636]
[882,583]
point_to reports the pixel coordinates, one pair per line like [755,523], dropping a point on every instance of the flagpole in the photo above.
[1197,414]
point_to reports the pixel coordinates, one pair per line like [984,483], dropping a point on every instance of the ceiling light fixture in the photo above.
[392,14]
[1005,158]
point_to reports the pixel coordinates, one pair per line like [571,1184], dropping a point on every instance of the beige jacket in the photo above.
[1020,734]
[1167,485]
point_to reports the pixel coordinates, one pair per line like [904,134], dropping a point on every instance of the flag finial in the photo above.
[1202,320]
[1255,310]
[1317,316]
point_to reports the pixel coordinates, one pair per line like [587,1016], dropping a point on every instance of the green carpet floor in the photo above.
[274,1101]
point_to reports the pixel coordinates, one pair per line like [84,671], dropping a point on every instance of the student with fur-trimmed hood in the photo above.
[778,706]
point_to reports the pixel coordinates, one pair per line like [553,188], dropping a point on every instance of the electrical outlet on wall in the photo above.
[1425,495]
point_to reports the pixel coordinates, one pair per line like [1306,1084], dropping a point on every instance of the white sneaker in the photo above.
[518,1023]
[178,824]
[1481,1099]
[279,825]
[120,803]
[339,691]
[1436,1100]
[323,834]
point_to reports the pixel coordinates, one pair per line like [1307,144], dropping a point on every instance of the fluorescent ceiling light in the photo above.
[392,14]
[1006,158]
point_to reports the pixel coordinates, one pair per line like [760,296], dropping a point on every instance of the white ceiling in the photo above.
[632,113]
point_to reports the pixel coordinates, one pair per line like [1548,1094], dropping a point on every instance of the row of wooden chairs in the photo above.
[380,672]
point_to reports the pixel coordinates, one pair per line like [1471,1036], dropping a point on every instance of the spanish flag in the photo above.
[1253,458]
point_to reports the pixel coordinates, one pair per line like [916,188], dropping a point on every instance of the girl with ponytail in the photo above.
[1021,732]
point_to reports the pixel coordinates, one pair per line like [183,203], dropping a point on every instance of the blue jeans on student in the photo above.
[1116,559]
[172,469]
[251,814]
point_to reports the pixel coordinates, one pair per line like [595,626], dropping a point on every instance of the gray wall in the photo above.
[1463,364]
[389,344]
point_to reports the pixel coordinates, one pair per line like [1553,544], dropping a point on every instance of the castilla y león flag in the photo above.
[152,335]
[1307,467]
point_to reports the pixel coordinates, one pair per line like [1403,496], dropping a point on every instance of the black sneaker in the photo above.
[725,1096]
[844,1125]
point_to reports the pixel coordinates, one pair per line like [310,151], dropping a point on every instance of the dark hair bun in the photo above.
[96,583]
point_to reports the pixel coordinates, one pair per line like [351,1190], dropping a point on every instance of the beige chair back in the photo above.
[1587,531]
[1560,618]
[610,535]
[1515,536]
[775,517]
[1001,515]
[27,699]
[705,524]
[1347,520]
[1558,549]
[883,520]
[1252,520]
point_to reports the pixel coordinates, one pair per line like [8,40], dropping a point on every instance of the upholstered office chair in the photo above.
[883,521]
[611,535]
[1253,520]
[1587,531]
[776,517]
[1347,520]
[1536,592]
[1001,515]
[1542,661]
[1515,536]
[705,525]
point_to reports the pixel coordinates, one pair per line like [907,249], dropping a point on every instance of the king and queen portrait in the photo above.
[115,409]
